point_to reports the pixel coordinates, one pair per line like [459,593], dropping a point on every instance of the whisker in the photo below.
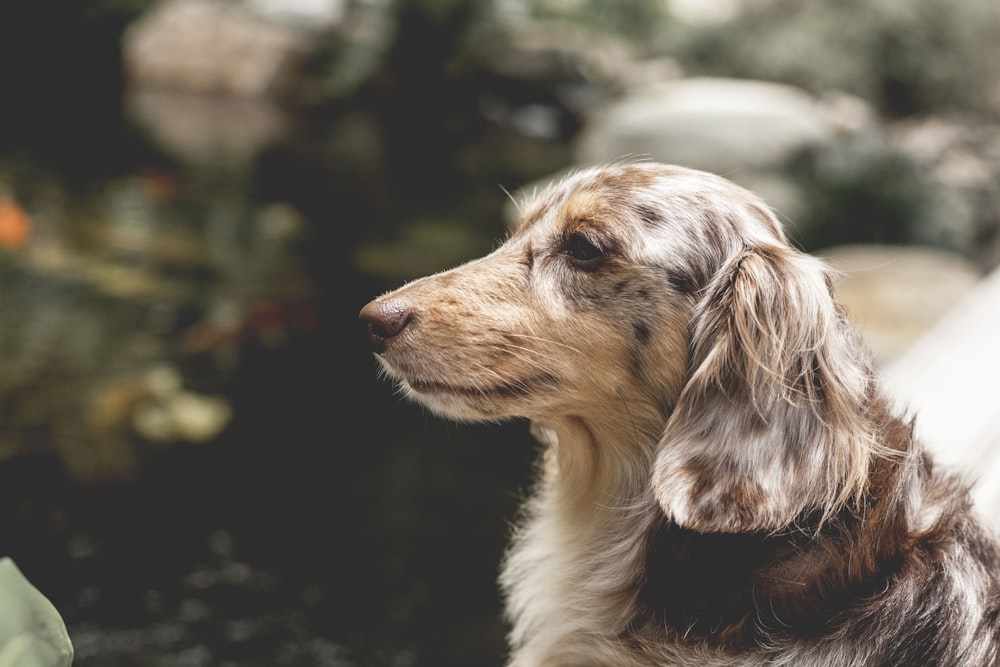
[502,378]
[509,349]
[540,339]
[512,199]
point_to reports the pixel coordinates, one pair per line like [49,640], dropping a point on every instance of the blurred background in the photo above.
[198,464]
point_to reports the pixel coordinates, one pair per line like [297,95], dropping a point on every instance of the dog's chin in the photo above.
[452,405]
[456,403]
[471,400]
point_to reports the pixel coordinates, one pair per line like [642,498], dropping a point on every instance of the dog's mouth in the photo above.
[520,387]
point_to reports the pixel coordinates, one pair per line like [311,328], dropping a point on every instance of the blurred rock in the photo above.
[705,12]
[310,13]
[204,75]
[712,124]
[202,129]
[207,46]
[896,294]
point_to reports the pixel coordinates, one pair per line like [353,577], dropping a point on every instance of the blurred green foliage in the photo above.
[859,193]
[639,20]
[906,56]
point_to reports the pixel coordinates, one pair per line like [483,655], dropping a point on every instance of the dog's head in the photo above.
[664,304]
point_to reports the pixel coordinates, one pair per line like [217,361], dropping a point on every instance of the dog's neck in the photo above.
[576,466]
[583,533]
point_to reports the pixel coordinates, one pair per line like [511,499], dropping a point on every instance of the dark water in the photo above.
[327,522]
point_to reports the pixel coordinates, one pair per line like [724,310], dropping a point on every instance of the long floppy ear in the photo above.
[770,427]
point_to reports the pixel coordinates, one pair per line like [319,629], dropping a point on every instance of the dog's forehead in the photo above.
[585,195]
[624,201]
[646,199]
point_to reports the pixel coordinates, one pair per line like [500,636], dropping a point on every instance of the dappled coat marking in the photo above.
[722,482]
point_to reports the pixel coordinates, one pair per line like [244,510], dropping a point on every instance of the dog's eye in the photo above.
[580,248]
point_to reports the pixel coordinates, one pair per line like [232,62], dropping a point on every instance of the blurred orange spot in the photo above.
[159,183]
[15,226]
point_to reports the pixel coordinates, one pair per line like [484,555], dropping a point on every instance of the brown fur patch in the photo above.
[722,483]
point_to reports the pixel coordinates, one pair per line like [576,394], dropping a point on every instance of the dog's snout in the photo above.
[386,320]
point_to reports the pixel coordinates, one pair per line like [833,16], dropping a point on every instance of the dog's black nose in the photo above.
[385,320]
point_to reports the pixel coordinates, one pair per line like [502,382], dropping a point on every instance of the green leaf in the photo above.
[32,633]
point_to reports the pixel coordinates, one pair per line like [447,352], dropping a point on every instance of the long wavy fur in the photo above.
[721,481]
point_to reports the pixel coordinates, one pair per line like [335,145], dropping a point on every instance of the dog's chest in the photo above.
[577,594]
[572,593]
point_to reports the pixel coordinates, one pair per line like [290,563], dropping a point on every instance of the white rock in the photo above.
[310,13]
[714,124]
[210,47]
[705,12]
[206,129]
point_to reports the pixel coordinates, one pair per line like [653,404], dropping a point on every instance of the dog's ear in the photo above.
[769,428]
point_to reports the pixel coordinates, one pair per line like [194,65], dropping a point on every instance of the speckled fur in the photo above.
[722,482]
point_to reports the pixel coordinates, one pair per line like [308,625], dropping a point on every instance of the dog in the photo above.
[721,481]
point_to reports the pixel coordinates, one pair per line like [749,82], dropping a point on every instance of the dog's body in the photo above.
[721,483]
